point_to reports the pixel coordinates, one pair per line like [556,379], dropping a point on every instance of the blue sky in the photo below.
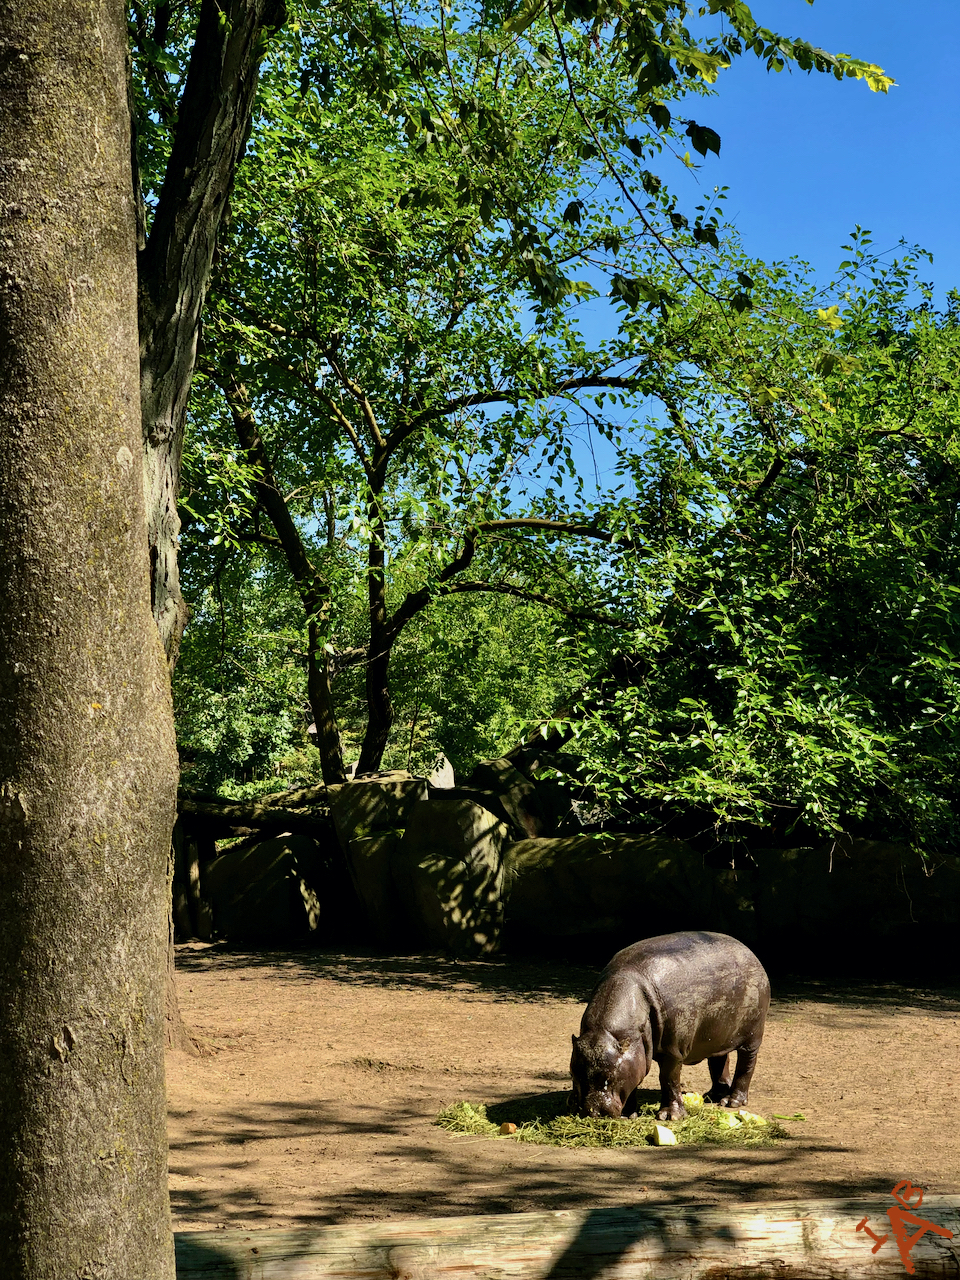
[807,157]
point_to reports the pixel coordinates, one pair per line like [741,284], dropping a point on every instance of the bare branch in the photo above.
[360,396]
[555,526]
[415,601]
[508,395]
[521,593]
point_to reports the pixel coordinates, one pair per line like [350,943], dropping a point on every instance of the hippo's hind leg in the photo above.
[746,1061]
[732,1091]
[721,1078]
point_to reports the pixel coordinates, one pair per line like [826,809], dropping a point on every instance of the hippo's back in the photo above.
[693,979]
[676,953]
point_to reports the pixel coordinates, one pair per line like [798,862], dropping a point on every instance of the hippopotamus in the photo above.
[674,1000]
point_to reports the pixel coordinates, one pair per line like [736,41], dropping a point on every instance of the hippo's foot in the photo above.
[720,1096]
[733,1100]
[675,1111]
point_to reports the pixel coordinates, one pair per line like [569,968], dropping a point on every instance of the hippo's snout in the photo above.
[603,1105]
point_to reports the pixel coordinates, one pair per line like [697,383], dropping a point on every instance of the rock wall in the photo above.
[468,868]
[860,902]
[269,893]
[426,863]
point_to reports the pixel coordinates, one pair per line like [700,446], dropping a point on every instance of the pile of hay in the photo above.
[547,1120]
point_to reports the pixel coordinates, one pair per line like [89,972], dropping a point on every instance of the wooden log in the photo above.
[319,795]
[207,816]
[788,1240]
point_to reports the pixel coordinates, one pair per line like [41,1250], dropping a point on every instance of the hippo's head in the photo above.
[605,1071]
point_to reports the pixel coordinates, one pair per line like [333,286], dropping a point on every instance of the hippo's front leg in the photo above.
[671,1103]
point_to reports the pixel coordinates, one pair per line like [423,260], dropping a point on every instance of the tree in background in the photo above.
[405,382]
[401,377]
[798,665]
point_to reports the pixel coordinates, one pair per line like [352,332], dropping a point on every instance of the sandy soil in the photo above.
[316,1099]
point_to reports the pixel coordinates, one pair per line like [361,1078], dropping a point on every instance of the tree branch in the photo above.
[509,395]
[310,586]
[415,601]
[359,395]
[521,593]
[555,526]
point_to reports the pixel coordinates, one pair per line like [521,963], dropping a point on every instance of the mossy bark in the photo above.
[87,756]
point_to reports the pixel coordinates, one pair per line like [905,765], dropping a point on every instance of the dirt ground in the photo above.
[316,1099]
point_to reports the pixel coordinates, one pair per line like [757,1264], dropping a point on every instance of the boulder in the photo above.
[448,874]
[369,815]
[267,893]
[443,776]
[499,787]
[370,804]
[371,859]
[558,797]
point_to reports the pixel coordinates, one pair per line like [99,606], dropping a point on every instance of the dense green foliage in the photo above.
[800,661]
[744,608]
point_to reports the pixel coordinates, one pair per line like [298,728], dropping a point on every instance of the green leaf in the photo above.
[573,213]
[702,138]
[526,16]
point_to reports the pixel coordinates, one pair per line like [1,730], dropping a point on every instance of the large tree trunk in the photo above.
[788,1240]
[379,702]
[382,634]
[87,755]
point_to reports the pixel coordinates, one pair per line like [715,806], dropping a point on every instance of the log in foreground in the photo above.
[785,1240]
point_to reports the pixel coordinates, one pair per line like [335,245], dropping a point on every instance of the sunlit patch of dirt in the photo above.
[319,1103]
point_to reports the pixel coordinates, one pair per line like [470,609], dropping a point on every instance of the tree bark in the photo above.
[88,764]
[379,702]
[382,635]
[212,128]
[789,1240]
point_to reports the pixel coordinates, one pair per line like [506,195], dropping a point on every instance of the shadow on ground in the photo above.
[504,979]
[467,1175]
[523,980]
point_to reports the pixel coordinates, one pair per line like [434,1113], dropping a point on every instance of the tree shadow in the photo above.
[509,979]
[519,979]
[464,1174]
[933,998]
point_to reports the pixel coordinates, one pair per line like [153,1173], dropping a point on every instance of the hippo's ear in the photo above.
[574,1039]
